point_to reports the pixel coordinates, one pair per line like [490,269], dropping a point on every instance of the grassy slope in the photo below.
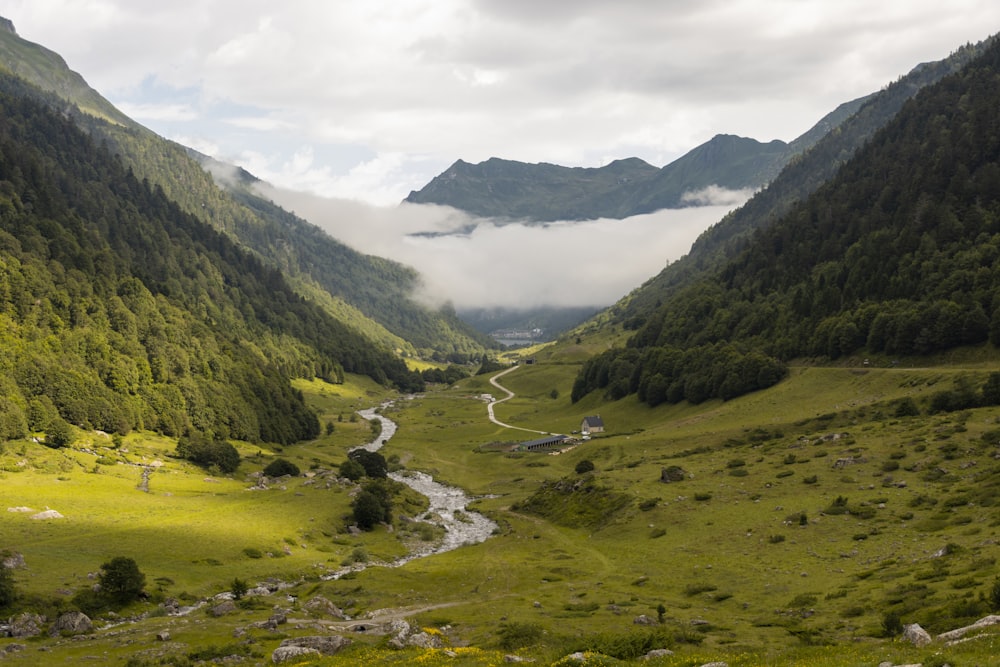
[761,599]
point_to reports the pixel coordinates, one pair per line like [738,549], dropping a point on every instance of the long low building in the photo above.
[543,443]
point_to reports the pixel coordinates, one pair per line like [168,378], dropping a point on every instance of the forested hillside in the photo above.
[796,181]
[121,311]
[370,294]
[897,255]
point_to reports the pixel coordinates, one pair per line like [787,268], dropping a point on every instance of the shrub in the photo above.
[513,635]
[584,466]
[7,591]
[892,626]
[352,470]
[238,588]
[59,433]
[280,468]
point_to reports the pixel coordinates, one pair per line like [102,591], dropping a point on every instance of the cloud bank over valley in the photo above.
[481,263]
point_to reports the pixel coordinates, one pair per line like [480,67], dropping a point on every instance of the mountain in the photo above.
[544,192]
[122,311]
[896,255]
[799,178]
[370,294]
[514,190]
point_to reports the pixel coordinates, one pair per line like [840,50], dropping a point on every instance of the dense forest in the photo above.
[896,255]
[120,310]
[369,294]
[802,176]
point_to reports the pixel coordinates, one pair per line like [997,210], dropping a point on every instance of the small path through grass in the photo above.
[510,395]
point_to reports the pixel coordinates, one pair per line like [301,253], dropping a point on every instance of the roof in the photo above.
[593,421]
[541,442]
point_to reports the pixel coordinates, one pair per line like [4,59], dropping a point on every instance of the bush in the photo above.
[892,626]
[513,636]
[584,466]
[59,433]
[7,591]
[280,468]
[352,470]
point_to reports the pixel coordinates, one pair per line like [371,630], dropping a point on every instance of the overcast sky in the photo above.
[368,99]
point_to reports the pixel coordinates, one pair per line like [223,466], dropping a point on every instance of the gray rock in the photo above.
[642,619]
[286,653]
[26,625]
[716,664]
[72,623]
[515,658]
[916,635]
[658,653]
[12,560]
[226,607]
[320,606]
[323,644]
[425,640]
[163,636]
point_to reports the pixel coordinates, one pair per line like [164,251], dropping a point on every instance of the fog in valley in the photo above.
[481,263]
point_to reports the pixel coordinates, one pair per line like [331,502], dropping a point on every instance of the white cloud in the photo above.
[474,262]
[714,195]
[437,80]
[159,112]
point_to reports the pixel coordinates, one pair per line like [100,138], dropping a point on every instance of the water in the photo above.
[448,506]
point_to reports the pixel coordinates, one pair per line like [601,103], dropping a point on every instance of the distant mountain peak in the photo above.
[7,25]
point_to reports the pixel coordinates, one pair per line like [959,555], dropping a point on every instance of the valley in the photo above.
[740,575]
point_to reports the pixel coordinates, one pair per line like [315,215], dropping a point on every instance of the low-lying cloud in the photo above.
[479,263]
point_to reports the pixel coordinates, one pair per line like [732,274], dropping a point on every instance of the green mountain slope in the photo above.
[896,255]
[354,283]
[799,178]
[121,311]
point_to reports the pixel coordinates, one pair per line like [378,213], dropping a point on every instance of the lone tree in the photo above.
[374,463]
[121,579]
[280,468]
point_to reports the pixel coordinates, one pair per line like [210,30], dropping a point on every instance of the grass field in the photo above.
[803,517]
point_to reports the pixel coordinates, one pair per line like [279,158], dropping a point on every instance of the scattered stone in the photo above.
[287,653]
[26,625]
[510,657]
[536,604]
[13,648]
[163,636]
[226,607]
[916,635]
[323,645]
[22,508]
[658,653]
[320,606]
[12,560]
[958,633]
[72,623]
[425,640]
[643,619]
[47,514]
[716,664]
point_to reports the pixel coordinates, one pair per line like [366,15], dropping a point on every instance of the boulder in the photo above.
[658,653]
[425,640]
[26,625]
[163,636]
[716,664]
[286,653]
[72,623]
[984,622]
[643,619]
[222,609]
[324,645]
[12,560]
[916,635]
[320,606]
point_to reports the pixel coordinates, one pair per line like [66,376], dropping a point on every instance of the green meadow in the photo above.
[796,524]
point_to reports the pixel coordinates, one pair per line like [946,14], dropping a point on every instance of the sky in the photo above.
[366,100]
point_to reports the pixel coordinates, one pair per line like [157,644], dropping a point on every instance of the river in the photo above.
[448,505]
